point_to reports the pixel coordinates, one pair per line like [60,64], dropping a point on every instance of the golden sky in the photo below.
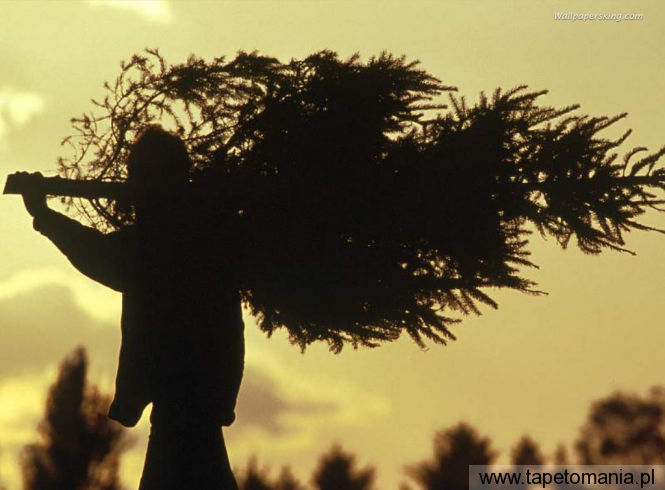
[533,366]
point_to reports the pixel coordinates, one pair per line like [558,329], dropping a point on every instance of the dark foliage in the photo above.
[80,447]
[624,429]
[560,456]
[361,208]
[287,481]
[620,429]
[454,450]
[338,469]
[255,478]
[527,453]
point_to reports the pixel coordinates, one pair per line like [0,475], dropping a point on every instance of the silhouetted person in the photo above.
[182,332]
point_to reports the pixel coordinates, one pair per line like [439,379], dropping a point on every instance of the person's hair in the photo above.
[156,147]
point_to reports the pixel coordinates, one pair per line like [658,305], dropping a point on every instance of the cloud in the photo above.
[262,405]
[151,10]
[298,380]
[99,302]
[43,317]
[17,108]
[45,314]
[39,327]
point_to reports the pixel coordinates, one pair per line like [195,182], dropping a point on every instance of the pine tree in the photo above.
[255,478]
[79,447]
[363,206]
[455,449]
[287,481]
[624,429]
[560,456]
[527,453]
[337,469]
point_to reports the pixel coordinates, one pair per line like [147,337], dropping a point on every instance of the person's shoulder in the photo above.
[127,233]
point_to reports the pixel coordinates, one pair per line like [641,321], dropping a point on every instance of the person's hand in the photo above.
[34,198]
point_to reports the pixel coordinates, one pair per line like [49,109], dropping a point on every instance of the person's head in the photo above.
[157,165]
[158,157]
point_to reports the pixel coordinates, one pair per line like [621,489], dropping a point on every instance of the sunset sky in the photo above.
[532,366]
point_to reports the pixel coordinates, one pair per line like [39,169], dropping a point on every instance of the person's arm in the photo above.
[98,256]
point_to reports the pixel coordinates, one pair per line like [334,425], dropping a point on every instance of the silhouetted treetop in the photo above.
[526,453]
[256,478]
[79,447]
[624,429]
[359,205]
[455,449]
[338,469]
